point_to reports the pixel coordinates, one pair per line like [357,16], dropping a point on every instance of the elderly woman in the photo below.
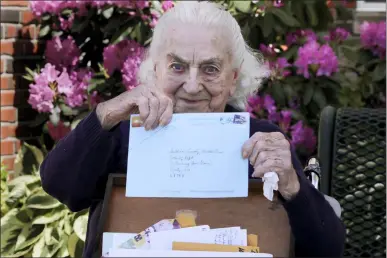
[198,61]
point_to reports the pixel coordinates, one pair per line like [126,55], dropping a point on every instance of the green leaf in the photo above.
[16,194]
[50,217]
[42,200]
[291,52]
[107,13]
[28,77]
[268,22]
[308,94]
[380,72]
[68,229]
[311,12]
[51,236]
[36,152]
[122,33]
[68,111]
[39,248]
[319,97]
[74,246]
[25,179]
[350,53]
[287,19]
[10,228]
[297,8]
[63,250]
[243,6]
[80,227]
[28,160]
[44,30]
[278,93]
[29,235]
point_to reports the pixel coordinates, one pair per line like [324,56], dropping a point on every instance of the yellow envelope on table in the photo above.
[185,246]
[252,240]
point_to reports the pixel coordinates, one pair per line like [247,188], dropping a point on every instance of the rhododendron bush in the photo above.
[94,48]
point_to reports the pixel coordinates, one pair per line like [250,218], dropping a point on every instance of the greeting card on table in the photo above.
[195,156]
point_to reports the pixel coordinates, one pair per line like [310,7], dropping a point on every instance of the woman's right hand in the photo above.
[154,107]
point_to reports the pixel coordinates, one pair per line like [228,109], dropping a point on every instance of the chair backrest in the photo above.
[352,152]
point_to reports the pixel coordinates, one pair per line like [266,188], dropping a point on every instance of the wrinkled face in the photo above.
[195,69]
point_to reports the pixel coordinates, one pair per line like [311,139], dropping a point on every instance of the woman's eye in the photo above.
[210,69]
[177,67]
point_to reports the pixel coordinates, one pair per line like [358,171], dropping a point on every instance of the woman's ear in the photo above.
[234,81]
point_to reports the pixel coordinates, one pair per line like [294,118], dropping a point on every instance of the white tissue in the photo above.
[270,183]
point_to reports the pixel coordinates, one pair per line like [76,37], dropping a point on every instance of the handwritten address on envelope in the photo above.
[195,156]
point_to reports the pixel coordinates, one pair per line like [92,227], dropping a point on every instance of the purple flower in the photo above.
[40,7]
[62,53]
[338,35]
[166,5]
[114,56]
[42,91]
[321,60]
[300,36]
[258,105]
[278,68]
[284,120]
[278,3]
[328,62]
[303,136]
[76,93]
[67,23]
[373,37]
[267,51]
[130,67]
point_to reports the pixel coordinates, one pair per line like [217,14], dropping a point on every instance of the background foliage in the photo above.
[93,51]
[33,223]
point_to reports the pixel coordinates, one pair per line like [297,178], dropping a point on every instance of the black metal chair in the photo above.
[352,156]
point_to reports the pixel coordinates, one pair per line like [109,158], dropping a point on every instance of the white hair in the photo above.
[252,69]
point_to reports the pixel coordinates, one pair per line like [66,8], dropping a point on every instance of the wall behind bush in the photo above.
[19,48]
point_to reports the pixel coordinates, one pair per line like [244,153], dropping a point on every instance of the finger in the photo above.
[270,144]
[143,107]
[163,104]
[272,164]
[151,121]
[247,148]
[166,117]
[264,156]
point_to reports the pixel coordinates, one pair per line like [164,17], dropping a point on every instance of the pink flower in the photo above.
[258,105]
[267,51]
[338,35]
[43,92]
[76,94]
[40,7]
[373,37]
[303,136]
[328,62]
[166,5]
[284,120]
[59,131]
[155,15]
[321,60]
[278,3]
[67,23]
[130,67]
[278,68]
[95,99]
[114,56]
[62,53]
[300,36]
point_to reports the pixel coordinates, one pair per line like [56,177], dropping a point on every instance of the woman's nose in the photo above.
[192,85]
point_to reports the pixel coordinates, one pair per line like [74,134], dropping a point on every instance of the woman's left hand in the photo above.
[270,152]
